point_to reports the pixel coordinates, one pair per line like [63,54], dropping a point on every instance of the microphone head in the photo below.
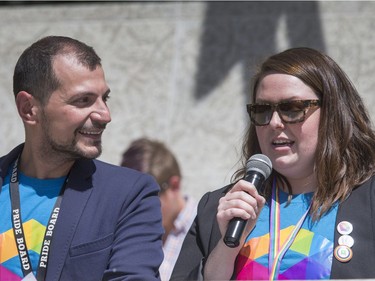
[259,163]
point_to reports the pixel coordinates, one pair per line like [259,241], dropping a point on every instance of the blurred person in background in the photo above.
[178,210]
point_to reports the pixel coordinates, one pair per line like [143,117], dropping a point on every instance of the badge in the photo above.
[344,227]
[346,240]
[343,253]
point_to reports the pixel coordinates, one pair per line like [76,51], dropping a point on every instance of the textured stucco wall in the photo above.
[179,71]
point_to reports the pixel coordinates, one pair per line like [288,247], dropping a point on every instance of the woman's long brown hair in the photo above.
[345,155]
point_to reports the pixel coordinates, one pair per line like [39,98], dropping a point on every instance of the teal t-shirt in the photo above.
[310,255]
[37,198]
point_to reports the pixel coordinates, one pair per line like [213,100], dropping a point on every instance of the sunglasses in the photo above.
[289,111]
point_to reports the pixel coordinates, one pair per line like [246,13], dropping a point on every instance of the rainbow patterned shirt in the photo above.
[309,256]
[37,200]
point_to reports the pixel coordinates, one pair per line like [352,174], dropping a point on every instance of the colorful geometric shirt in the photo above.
[309,256]
[37,199]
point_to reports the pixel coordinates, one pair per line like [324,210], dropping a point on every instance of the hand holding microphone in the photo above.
[258,169]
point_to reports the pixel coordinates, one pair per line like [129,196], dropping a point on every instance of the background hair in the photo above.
[345,156]
[34,69]
[152,157]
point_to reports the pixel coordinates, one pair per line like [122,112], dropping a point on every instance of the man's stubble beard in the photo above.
[68,152]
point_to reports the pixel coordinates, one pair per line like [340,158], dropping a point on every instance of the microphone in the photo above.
[258,169]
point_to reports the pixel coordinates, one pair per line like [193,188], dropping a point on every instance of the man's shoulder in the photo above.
[115,182]
[114,174]
[6,160]
[115,169]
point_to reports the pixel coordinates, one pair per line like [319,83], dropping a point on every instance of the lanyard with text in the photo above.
[277,251]
[19,233]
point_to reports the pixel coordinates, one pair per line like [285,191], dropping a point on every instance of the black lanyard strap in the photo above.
[19,233]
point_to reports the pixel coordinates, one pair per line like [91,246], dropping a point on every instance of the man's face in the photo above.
[76,114]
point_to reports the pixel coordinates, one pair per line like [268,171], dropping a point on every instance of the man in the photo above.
[178,211]
[64,215]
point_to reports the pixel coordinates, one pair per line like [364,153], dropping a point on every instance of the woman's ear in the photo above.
[27,107]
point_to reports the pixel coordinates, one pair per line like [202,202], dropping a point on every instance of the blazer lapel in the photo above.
[77,192]
[358,210]
[6,161]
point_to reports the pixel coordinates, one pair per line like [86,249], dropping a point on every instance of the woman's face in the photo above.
[290,147]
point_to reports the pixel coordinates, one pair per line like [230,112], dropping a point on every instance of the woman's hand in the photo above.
[242,201]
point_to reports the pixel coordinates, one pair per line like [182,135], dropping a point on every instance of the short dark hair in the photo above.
[34,72]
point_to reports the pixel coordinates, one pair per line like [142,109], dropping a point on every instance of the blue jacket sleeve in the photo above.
[137,249]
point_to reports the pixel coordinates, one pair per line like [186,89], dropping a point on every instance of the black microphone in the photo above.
[258,169]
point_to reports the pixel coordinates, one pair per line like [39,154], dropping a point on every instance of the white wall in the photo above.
[154,54]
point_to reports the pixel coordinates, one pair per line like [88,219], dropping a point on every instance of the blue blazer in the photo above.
[109,225]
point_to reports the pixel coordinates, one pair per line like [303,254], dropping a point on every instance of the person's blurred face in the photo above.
[76,114]
[290,147]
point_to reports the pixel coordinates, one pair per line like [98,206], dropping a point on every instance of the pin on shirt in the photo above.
[345,227]
[343,251]
[346,240]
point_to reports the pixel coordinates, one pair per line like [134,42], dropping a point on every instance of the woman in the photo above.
[313,218]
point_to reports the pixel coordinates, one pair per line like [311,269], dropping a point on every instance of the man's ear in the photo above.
[27,107]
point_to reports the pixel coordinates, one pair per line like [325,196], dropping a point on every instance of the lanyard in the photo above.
[19,233]
[277,251]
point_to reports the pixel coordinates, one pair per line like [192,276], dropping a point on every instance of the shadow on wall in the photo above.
[246,33]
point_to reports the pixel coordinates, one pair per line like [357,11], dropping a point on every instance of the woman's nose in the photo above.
[276,121]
